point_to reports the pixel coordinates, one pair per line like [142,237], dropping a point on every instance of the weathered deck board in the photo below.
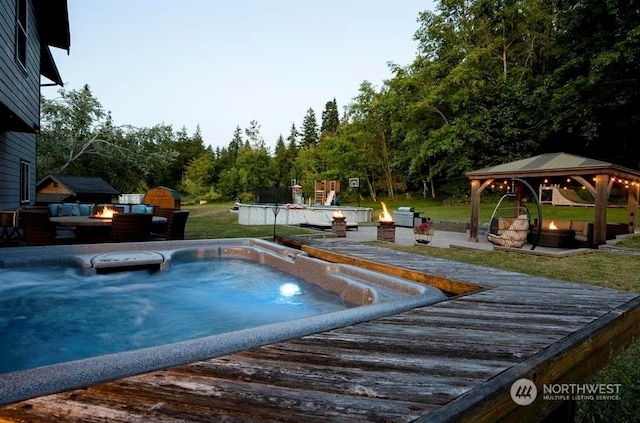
[447,362]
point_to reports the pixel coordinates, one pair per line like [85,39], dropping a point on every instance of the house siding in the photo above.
[19,89]
[20,93]
[15,147]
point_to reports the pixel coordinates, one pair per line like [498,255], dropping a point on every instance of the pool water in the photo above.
[53,315]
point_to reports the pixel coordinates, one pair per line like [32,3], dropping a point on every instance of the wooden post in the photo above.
[600,220]
[632,206]
[475,210]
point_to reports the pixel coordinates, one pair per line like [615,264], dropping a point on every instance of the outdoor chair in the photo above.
[514,236]
[158,231]
[40,230]
[130,227]
[163,212]
[176,223]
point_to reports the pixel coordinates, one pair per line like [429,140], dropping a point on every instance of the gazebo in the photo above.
[588,172]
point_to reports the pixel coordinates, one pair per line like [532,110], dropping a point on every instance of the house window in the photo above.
[21,32]
[25,182]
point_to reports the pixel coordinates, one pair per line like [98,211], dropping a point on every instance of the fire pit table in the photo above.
[555,238]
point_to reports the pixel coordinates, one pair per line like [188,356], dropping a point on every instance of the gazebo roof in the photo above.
[554,164]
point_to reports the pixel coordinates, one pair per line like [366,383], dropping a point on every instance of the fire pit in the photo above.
[339,225]
[386,226]
[557,238]
[554,237]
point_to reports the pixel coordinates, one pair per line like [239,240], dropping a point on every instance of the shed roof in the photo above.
[554,164]
[174,194]
[80,184]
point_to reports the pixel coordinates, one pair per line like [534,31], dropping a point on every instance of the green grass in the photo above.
[217,221]
[608,270]
[435,210]
[630,242]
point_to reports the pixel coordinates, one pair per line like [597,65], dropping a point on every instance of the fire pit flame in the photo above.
[337,215]
[553,226]
[385,216]
[106,213]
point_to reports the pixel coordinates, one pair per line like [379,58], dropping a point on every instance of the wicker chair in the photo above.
[514,236]
[40,230]
[130,227]
[176,224]
[174,230]
[163,212]
[159,229]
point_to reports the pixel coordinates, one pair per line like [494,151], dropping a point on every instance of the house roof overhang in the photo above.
[48,67]
[554,164]
[53,28]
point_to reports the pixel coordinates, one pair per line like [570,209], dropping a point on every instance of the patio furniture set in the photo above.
[82,224]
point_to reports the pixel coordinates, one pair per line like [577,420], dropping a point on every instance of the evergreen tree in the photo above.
[309,129]
[292,141]
[253,136]
[330,118]
[235,144]
[281,162]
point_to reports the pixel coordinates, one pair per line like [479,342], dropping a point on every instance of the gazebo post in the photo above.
[600,220]
[475,210]
[632,206]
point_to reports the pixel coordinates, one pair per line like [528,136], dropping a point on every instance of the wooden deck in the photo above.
[449,362]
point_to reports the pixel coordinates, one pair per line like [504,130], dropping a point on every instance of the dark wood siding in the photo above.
[19,89]
[19,93]
[15,146]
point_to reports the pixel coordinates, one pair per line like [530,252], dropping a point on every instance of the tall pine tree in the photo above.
[330,118]
[309,129]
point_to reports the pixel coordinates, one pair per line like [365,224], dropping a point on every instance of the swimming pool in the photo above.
[342,295]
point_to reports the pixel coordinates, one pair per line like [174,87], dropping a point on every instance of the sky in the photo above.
[220,64]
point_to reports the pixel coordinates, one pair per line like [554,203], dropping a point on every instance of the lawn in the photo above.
[609,270]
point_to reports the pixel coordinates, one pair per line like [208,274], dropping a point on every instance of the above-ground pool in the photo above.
[74,316]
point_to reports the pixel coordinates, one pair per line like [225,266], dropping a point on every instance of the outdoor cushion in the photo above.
[561,224]
[85,209]
[65,211]
[75,208]
[141,208]
[53,209]
[581,227]
[515,235]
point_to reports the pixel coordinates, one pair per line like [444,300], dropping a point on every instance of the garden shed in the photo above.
[70,188]
[163,197]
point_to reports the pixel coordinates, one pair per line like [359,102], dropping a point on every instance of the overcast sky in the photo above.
[223,63]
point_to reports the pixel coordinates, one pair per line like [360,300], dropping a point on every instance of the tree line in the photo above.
[492,81]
